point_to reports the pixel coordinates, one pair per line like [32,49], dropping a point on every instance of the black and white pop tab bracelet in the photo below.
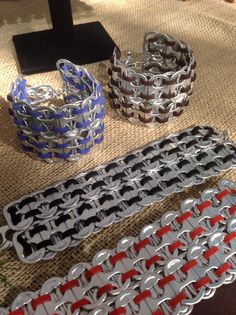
[48,221]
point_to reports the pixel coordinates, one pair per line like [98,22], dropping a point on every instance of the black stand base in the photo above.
[39,51]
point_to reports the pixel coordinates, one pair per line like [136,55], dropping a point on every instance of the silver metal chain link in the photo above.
[174,263]
[49,221]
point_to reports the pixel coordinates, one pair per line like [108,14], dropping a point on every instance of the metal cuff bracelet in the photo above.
[51,220]
[175,263]
[156,88]
[54,129]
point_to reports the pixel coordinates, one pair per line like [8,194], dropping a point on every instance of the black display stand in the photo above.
[81,44]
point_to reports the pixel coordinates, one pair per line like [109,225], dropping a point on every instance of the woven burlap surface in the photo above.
[209,26]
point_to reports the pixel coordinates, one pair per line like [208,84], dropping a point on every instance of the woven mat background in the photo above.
[209,26]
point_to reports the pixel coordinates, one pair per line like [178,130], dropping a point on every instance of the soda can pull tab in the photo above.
[5,238]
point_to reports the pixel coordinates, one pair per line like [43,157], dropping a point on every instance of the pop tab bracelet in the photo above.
[175,263]
[51,220]
[155,88]
[53,131]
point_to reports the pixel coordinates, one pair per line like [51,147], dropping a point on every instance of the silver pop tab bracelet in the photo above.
[59,125]
[51,220]
[174,263]
[154,88]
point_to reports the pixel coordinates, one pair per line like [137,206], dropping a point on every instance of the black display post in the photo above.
[81,44]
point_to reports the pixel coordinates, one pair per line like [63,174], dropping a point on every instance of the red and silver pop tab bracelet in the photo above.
[174,263]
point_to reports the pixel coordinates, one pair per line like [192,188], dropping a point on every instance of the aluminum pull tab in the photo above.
[5,238]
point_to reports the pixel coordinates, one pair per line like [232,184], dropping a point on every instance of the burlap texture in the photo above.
[209,26]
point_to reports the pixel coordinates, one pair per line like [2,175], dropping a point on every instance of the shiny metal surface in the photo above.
[59,125]
[174,263]
[154,88]
[48,221]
